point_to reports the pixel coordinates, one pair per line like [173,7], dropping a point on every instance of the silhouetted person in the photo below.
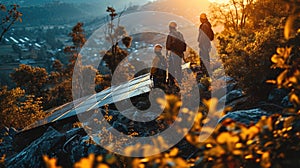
[175,46]
[206,35]
[159,65]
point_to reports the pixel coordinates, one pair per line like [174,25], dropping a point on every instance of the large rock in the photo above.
[82,146]
[227,79]
[225,85]
[231,86]
[231,96]
[4,131]
[285,102]
[75,131]
[246,117]
[31,156]
[6,140]
[277,95]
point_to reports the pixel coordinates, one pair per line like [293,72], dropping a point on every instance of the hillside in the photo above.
[62,12]
[115,3]
[188,9]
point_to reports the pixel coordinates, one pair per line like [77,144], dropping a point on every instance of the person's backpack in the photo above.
[180,45]
[210,33]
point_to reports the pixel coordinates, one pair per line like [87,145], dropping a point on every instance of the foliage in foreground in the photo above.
[273,141]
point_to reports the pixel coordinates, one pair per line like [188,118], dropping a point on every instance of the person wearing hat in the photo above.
[206,35]
[159,65]
[176,47]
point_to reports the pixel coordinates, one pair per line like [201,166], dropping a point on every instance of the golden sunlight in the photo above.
[218,1]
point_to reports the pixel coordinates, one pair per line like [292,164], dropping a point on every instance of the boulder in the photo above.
[12,131]
[246,117]
[231,96]
[4,131]
[31,156]
[6,141]
[142,105]
[227,79]
[277,95]
[285,102]
[231,86]
[75,131]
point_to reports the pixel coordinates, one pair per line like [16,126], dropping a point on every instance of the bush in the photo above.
[247,57]
[18,110]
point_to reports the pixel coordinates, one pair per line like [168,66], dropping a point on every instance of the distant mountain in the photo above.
[58,12]
[54,14]
[189,9]
[115,3]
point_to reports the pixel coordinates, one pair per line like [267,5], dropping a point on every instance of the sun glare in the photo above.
[218,1]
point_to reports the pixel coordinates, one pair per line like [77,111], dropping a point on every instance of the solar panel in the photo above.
[137,86]
[134,87]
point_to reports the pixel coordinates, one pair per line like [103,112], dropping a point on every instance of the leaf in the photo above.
[294,98]
[110,159]
[50,162]
[288,122]
[265,160]
[102,165]
[181,163]
[85,162]
[271,81]
[293,80]
[281,77]
[223,137]
[268,144]
[280,51]
[174,152]
[277,59]
[289,26]
[211,104]
[216,151]
[249,156]
[237,152]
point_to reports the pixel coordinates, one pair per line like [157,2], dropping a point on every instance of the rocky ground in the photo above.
[70,142]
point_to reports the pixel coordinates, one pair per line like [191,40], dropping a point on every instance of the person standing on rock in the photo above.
[159,65]
[206,35]
[176,47]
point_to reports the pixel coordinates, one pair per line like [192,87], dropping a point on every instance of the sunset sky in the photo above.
[219,1]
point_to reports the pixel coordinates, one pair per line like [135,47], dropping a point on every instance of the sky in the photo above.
[219,1]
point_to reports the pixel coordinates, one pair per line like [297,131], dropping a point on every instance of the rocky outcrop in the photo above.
[6,141]
[70,147]
[277,95]
[246,117]
[31,156]
[231,96]
[68,143]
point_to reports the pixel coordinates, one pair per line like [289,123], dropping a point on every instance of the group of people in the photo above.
[176,46]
